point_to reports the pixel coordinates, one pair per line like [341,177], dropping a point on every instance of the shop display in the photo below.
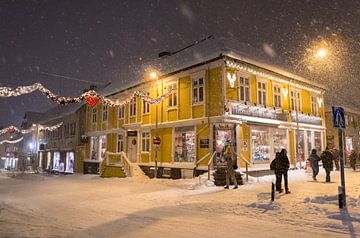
[184,144]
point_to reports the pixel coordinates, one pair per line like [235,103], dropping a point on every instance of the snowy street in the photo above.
[89,206]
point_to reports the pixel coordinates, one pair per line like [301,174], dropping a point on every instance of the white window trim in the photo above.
[196,77]
[105,112]
[171,95]
[280,94]
[316,104]
[132,116]
[141,147]
[117,142]
[118,113]
[246,76]
[266,92]
[94,115]
[300,101]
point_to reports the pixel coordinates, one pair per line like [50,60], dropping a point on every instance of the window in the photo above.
[121,112]
[314,108]
[172,99]
[145,141]
[184,144]
[198,90]
[261,93]
[146,106]
[72,129]
[244,88]
[277,96]
[295,100]
[105,113]
[120,143]
[133,107]
[93,115]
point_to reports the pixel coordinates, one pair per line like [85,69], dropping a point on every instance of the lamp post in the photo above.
[154,75]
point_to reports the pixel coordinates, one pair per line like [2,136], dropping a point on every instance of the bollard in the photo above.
[340,197]
[272,191]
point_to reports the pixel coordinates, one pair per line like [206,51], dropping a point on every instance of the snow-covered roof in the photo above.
[205,50]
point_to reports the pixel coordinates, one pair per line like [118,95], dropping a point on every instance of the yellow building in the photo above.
[216,99]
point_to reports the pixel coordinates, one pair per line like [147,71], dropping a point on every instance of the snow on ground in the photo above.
[88,206]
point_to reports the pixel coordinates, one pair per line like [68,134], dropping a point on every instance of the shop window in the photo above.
[279,140]
[121,112]
[94,115]
[295,100]
[277,96]
[184,144]
[120,143]
[172,99]
[223,138]
[145,141]
[261,93]
[244,87]
[133,107]
[146,106]
[105,113]
[69,162]
[198,90]
[260,140]
[103,147]
[58,165]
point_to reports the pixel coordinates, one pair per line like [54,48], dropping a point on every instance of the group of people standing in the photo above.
[327,159]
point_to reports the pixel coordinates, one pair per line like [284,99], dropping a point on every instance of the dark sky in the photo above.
[104,41]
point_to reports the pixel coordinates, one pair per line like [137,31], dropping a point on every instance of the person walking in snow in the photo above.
[353,158]
[281,165]
[328,161]
[230,173]
[336,155]
[314,163]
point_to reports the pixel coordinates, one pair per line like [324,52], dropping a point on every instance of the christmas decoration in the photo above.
[12,129]
[90,97]
[12,141]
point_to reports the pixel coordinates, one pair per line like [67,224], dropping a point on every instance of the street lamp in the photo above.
[154,76]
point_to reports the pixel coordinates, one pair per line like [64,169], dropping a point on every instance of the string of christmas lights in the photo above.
[90,97]
[13,129]
[11,141]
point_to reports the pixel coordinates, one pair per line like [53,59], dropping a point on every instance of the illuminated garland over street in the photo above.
[90,97]
[12,141]
[12,129]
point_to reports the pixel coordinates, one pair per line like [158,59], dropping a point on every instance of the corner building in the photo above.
[219,96]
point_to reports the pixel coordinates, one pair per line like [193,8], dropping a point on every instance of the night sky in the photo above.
[102,41]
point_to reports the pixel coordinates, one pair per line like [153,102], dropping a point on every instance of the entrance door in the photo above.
[132,148]
[223,138]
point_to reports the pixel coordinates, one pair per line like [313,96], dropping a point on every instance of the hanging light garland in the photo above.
[13,129]
[90,97]
[11,141]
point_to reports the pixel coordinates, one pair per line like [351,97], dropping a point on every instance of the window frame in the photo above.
[173,96]
[196,78]
[145,142]
[145,106]
[277,95]
[244,86]
[120,141]
[314,105]
[94,115]
[297,99]
[262,91]
[121,112]
[132,107]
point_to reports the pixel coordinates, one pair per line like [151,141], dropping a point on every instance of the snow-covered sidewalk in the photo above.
[88,206]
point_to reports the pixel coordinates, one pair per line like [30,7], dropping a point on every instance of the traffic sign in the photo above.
[156,140]
[338,117]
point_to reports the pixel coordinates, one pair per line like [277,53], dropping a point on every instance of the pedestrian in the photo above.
[281,165]
[327,161]
[335,153]
[230,173]
[314,163]
[353,158]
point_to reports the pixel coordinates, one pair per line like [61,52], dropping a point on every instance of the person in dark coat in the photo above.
[314,163]
[353,158]
[228,156]
[336,156]
[280,165]
[328,163]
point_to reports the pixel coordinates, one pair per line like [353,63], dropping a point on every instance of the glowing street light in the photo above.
[154,76]
[321,53]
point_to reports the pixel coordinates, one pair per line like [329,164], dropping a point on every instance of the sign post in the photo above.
[156,146]
[339,122]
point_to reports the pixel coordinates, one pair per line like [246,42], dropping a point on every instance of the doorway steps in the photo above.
[220,177]
[109,171]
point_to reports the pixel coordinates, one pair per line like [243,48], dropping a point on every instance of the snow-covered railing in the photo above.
[210,163]
[247,163]
[119,158]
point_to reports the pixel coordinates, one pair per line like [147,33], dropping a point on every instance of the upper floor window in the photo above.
[145,141]
[93,115]
[72,129]
[133,107]
[146,106]
[261,89]
[314,107]
[172,99]
[121,111]
[198,90]
[295,100]
[120,143]
[244,87]
[277,96]
[105,113]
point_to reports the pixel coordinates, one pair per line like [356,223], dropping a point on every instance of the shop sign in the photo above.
[244,145]
[131,133]
[255,111]
[303,118]
[156,140]
[204,143]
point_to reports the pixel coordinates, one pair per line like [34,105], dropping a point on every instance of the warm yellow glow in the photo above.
[321,53]
[153,75]
[285,92]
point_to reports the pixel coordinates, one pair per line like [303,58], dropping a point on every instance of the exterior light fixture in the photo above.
[319,101]
[285,92]
[231,78]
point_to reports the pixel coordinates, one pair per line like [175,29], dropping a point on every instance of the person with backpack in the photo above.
[230,173]
[314,163]
[280,165]
[328,163]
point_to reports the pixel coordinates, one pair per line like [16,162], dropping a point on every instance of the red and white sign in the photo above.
[156,140]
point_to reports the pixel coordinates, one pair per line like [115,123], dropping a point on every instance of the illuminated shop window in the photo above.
[184,144]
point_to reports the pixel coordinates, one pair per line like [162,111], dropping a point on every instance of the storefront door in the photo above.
[132,148]
[224,136]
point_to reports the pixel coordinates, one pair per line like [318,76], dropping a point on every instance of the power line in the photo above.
[71,78]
